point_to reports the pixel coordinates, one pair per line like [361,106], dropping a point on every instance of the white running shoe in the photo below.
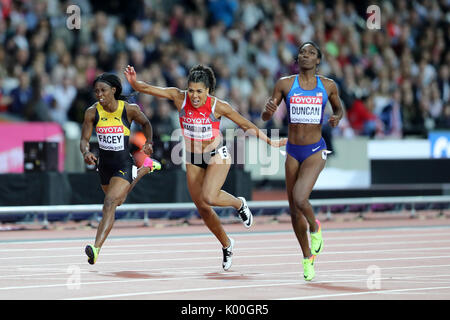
[228,255]
[245,214]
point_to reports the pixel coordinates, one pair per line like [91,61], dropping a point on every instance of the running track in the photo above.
[386,258]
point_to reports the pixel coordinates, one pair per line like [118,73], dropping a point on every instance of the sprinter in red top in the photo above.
[199,123]
[207,163]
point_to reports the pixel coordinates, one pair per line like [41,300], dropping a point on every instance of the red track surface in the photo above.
[386,256]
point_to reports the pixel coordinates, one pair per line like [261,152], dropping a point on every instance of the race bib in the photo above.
[306,109]
[224,154]
[198,131]
[110,138]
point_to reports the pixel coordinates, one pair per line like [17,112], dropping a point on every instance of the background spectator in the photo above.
[394,81]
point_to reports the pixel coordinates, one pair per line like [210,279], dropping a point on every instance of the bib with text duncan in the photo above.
[306,109]
[111,138]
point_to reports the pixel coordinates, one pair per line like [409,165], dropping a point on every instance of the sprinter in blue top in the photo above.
[305,96]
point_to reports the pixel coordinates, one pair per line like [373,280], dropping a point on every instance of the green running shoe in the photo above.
[308,268]
[92,253]
[316,240]
[152,164]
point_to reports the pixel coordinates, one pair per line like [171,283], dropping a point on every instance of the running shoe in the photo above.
[308,268]
[92,253]
[316,240]
[245,214]
[152,164]
[228,255]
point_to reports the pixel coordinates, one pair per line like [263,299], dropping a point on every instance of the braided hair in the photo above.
[200,73]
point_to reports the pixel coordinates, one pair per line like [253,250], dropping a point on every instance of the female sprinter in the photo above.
[207,164]
[111,117]
[305,95]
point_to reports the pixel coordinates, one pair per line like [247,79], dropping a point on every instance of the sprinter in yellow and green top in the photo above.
[111,117]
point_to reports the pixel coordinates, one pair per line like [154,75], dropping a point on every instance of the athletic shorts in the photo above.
[126,170]
[202,159]
[300,153]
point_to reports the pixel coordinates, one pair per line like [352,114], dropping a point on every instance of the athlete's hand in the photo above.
[90,158]
[278,143]
[130,74]
[271,106]
[147,148]
[334,120]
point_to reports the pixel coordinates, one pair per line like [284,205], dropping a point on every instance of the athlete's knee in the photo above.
[111,202]
[302,204]
[299,219]
[209,197]
[204,210]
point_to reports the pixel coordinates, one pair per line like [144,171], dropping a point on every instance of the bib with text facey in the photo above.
[112,133]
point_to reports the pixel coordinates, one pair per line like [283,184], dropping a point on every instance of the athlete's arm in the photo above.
[170,93]
[224,109]
[86,132]
[335,101]
[135,114]
[272,104]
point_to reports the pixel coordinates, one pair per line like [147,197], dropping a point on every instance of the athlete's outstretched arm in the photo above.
[86,132]
[224,109]
[272,104]
[140,86]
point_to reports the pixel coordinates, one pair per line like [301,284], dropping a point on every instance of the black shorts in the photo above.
[202,160]
[125,171]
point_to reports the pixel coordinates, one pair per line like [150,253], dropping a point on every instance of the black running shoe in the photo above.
[245,214]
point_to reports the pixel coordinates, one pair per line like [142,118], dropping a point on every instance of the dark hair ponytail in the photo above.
[200,73]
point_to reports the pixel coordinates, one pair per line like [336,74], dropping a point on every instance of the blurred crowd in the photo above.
[393,81]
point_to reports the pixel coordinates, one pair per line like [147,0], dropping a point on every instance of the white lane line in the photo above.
[299,283]
[140,261]
[329,243]
[194,270]
[141,253]
[163,278]
[394,234]
[335,295]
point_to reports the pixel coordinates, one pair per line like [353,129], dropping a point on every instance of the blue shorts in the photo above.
[300,153]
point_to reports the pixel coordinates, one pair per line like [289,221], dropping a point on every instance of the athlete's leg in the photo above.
[307,177]
[299,223]
[215,177]
[195,179]
[114,193]
[142,171]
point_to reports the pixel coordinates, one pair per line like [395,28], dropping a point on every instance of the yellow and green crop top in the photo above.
[113,133]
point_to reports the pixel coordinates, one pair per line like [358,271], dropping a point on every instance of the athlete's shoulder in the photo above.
[92,108]
[287,78]
[132,106]
[326,81]
[90,112]
[219,102]
[285,83]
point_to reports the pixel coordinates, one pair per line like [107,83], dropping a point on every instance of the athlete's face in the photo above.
[104,93]
[308,57]
[198,93]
